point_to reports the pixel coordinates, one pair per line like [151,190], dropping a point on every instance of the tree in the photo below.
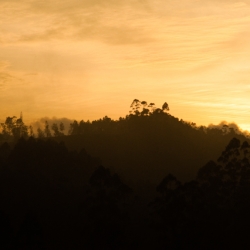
[61,128]
[57,130]
[8,125]
[105,207]
[31,132]
[74,128]
[165,107]
[15,128]
[151,107]
[40,133]
[136,105]
[47,131]
[19,129]
[169,183]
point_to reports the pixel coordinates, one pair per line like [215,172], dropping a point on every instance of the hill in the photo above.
[149,147]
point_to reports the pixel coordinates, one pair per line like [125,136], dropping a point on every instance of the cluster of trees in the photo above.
[216,204]
[148,136]
[55,198]
[55,195]
[57,130]
[14,128]
[138,110]
[141,114]
[142,108]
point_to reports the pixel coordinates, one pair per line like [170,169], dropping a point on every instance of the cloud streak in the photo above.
[72,20]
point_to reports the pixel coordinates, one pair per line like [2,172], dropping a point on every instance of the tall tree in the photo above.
[165,107]
[61,128]
[47,131]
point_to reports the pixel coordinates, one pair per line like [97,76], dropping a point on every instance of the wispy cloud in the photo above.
[109,21]
[5,75]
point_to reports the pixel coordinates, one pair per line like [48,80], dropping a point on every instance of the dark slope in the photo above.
[55,198]
[212,211]
[150,147]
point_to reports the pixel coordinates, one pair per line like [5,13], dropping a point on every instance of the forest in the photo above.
[148,180]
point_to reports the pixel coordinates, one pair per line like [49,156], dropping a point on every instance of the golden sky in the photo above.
[84,59]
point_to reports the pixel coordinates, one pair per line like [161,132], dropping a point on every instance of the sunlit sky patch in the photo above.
[85,59]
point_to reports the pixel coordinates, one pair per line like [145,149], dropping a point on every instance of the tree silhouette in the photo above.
[13,127]
[40,133]
[142,108]
[47,131]
[104,208]
[61,128]
[57,130]
[165,107]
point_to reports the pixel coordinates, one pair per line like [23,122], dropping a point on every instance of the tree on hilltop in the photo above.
[142,108]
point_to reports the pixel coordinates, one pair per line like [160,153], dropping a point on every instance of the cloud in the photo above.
[223,125]
[3,65]
[109,21]
[44,35]
[114,34]
[5,75]
[131,22]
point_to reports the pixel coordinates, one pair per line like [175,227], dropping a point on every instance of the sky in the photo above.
[84,59]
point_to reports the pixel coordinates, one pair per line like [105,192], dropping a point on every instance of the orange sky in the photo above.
[84,59]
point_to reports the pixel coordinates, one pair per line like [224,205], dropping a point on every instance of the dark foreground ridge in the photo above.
[53,198]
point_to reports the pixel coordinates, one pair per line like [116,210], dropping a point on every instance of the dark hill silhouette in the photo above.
[143,146]
[148,191]
[41,185]
[213,208]
[147,147]
[56,198]
[53,198]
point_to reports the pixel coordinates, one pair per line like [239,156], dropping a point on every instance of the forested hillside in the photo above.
[150,143]
[145,145]
[54,198]
[148,180]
